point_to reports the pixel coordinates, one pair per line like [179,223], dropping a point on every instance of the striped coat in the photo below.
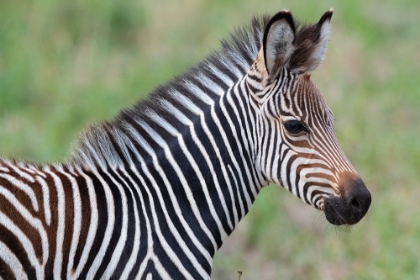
[153,193]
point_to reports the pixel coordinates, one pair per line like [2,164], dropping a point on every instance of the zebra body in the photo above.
[89,234]
[153,193]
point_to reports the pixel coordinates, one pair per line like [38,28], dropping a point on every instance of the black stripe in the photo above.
[116,233]
[5,270]
[10,239]
[102,222]
[86,216]
[128,248]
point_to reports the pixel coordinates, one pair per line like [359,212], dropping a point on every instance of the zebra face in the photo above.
[297,145]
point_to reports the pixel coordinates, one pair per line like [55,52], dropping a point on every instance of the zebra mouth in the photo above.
[334,212]
[339,211]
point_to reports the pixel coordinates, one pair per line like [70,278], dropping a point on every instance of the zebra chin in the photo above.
[351,206]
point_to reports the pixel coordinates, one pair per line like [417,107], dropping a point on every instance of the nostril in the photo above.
[355,205]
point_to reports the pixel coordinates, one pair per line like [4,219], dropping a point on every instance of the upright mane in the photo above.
[224,67]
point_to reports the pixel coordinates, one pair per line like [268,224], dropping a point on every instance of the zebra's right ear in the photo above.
[278,40]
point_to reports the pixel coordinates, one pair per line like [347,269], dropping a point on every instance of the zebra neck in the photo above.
[192,158]
[191,140]
[198,160]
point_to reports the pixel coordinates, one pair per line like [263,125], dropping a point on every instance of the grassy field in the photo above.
[64,64]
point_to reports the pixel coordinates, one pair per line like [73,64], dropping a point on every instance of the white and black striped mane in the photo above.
[222,68]
[232,61]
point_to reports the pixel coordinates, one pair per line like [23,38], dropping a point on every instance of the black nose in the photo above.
[352,206]
[358,198]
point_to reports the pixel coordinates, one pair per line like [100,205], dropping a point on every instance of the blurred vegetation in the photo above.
[64,64]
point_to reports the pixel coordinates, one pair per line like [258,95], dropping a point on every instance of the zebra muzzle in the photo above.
[351,206]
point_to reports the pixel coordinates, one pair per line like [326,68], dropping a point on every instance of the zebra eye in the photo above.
[295,127]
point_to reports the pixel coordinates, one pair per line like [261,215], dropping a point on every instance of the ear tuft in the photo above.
[326,17]
[324,35]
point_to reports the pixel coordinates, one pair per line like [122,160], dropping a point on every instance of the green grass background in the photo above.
[65,64]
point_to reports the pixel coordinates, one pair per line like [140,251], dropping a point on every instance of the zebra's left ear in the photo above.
[310,45]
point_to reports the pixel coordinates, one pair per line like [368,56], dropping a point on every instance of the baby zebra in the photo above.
[153,193]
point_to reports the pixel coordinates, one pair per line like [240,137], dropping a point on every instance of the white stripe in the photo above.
[107,150]
[12,261]
[45,198]
[283,173]
[324,190]
[97,156]
[206,81]
[36,170]
[160,269]
[231,66]
[93,224]
[22,165]
[136,241]
[25,242]
[76,223]
[119,248]
[4,169]
[216,71]
[247,131]
[239,59]
[22,174]
[61,216]
[238,194]
[196,91]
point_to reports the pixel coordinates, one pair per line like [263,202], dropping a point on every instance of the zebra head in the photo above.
[297,146]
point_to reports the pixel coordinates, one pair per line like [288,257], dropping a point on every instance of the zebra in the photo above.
[154,192]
